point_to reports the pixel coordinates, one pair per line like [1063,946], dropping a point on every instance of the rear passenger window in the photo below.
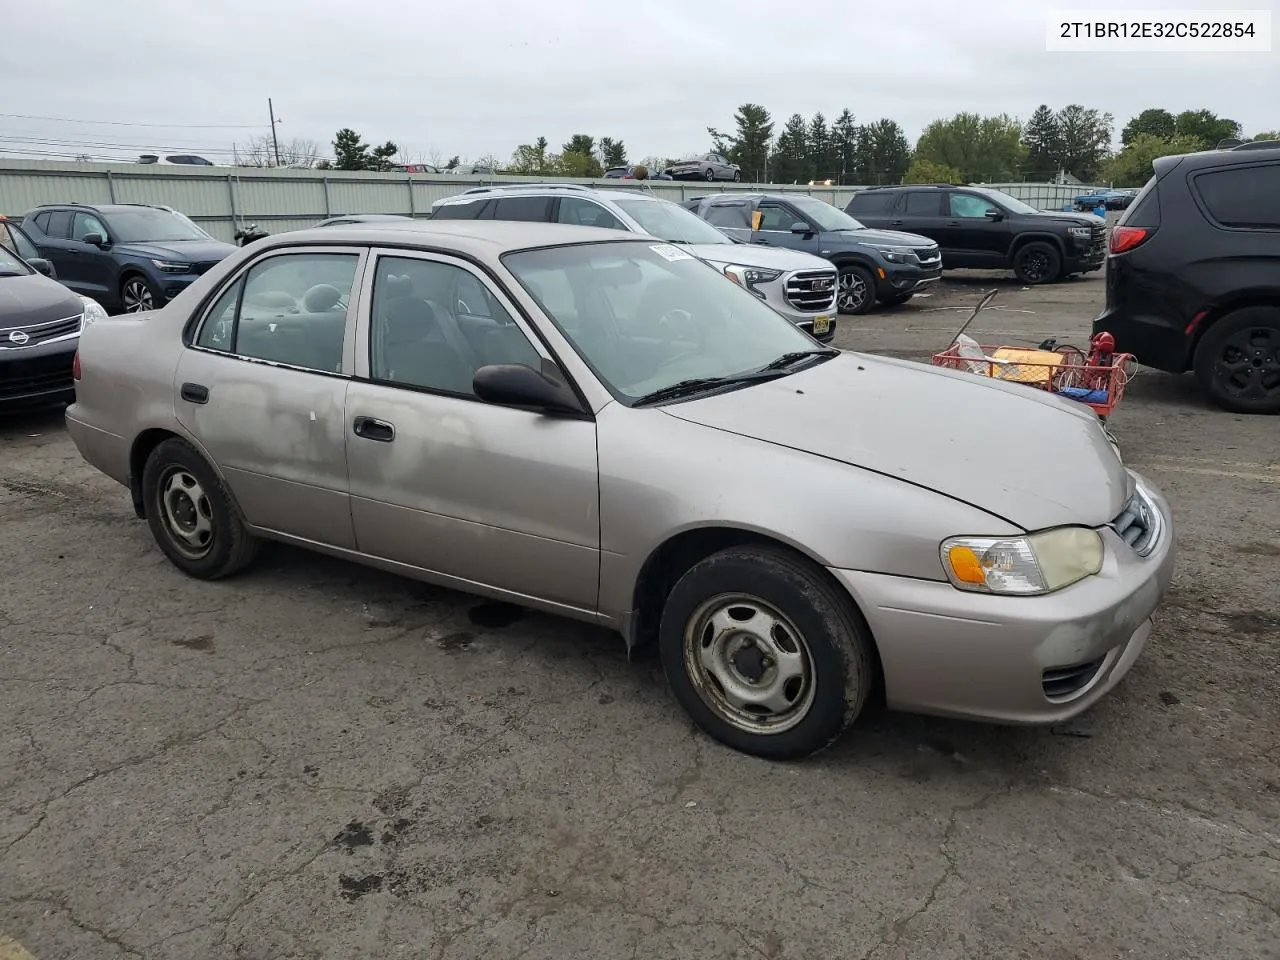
[530,209]
[584,213]
[864,202]
[733,215]
[922,203]
[59,224]
[293,311]
[1246,197]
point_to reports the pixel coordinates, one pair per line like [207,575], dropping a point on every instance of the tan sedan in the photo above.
[600,425]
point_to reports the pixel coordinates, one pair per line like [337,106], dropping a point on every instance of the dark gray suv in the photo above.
[875,266]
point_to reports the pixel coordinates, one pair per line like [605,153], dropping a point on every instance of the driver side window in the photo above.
[969,207]
[774,216]
[85,224]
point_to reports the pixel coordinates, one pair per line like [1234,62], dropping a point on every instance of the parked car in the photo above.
[701,485]
[800,287]
[708,166]
[1193,276]
[127,256]
[14,239]
[988,229]
[628,173]
[414,168]
[175,159]
[1107,199]
[40,325]
[875,266]
[351,218]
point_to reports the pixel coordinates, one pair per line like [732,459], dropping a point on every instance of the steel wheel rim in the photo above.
[186,513]
[1248,364]
[137,296]
[1035,265]
[853,291]
[749,664]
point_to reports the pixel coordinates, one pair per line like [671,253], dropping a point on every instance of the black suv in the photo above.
[1193,277]
[875,266]
[127,256]
[988,229]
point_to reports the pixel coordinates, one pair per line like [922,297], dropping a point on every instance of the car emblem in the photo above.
[19,337]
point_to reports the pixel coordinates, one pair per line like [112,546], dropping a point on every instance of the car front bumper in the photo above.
[979,656]
[37,375]
[894,280]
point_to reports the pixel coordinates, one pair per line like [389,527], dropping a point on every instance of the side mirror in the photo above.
[801,228]
[96,239]
[518,385]
[994,215]
[41,265]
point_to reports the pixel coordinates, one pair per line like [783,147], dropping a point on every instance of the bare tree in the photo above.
[434,157]
[260,152]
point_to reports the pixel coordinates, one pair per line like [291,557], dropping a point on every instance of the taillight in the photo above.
[1124,239]
[75,367]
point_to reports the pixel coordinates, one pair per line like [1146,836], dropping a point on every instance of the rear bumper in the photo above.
[37,376]
[1153,340]
[1024,660]
[101,449]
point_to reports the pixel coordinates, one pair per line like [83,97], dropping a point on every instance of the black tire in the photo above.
[1237,361]
[898,300]
[737,176]
[137,293]
[856,290]
[829,634]
[709,175]
[1037,262]
[175,465]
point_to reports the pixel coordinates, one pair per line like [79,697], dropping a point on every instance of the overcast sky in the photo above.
[477,77]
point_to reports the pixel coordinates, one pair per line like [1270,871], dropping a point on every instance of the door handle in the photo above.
[195,393]
[372,429]
[761,242]
[953,223]
[895,223]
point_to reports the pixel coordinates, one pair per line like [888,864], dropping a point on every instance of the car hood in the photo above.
[753,255]
[1021,454]
[188,251]
[884,238]
[29,300]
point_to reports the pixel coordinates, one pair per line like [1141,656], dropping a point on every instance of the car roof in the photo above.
[542,189]
[474,238]
[1230,157]
[362,218]
[102,207]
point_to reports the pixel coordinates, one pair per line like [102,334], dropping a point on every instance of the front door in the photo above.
[972,231]
[476,493]
[94,270]
[264,386]
[781,225]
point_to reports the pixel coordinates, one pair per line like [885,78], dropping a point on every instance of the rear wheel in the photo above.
[191,515]
[765,653]
[857,292]
[737,176]
[1037,262]
[1238,361]
[709,174]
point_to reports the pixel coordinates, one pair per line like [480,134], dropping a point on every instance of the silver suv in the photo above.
[800,286]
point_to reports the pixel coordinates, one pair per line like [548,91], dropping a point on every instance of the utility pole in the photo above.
[275,142]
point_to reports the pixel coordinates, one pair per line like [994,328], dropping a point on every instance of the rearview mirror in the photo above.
[994,215]
[518,385]
[41,265]
[96,239]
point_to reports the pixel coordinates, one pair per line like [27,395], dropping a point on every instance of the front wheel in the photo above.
[1037,262]
[737,176]
[191,515]
[137,294]
[857,292]
[765,654]
[1238,361]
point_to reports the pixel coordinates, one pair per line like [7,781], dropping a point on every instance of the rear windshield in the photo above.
[1145,209]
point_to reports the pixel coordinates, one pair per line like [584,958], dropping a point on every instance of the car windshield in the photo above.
[669,221]
[647,316]
[1012,203]
[824,214]
[10,265]
[148,225]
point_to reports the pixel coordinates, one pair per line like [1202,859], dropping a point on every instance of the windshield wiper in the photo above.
[797,355]
[683,388]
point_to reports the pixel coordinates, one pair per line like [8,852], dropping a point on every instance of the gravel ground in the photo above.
[316,760]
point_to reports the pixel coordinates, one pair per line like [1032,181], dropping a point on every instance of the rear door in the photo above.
[731,216]
[524,208]
[53,228]
[263,389]
[476,493]
[872,208]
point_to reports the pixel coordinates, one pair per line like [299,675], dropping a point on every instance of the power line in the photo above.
[131,123]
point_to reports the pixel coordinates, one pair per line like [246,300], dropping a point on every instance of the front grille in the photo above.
[198,268]
[927,254]
[1061,682]
[15,338]
[1138,524]
[812,291]
[35,376]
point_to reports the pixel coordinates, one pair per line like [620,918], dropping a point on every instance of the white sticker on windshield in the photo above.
[667,252]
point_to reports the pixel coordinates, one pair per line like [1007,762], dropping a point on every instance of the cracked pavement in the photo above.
[315,760]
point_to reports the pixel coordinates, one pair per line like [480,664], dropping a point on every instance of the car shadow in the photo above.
[26,421]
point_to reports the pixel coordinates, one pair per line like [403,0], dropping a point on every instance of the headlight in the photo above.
[749,277]
[895,254]
[1022,566]
[92,311]
[1081,233]
[172,266]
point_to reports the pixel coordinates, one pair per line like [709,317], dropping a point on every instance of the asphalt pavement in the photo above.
[316,760]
